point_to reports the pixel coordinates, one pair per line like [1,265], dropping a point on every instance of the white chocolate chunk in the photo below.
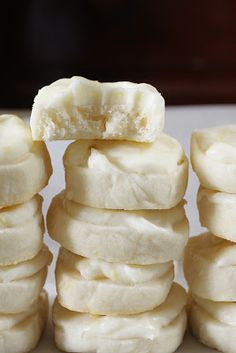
[213,156]
[21,231]
[109,292]
[158,331]
[217,212]
[132,237]
[78,108]
[25,166]
[21,332]
[211,323]
[126,175]
[209,267]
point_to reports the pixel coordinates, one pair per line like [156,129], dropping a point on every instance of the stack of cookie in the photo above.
[211,257]
[120,221]
[25,169]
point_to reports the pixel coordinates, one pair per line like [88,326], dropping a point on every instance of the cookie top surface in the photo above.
[162,156]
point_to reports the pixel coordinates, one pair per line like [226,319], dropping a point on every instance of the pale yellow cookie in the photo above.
[126,175]
[77,108]
[21,231]
[21,284]
[210,267]
[213,323]
[217,212]
[99,287]
[132,237]
[213,156]
[158,331]
[21,332]
[25,166]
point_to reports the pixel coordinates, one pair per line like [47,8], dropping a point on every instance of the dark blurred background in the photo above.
[187,49]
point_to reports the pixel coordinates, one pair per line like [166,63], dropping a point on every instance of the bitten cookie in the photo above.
[132,237]
[158,331]
[126,175]
[78,108]
[25,166]
[99,287]
[213,156]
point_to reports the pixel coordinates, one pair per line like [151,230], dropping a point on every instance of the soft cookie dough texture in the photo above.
[132,237]
[21,332]
[25,165]
[21,231]
[126,175]
[158,331]
[78,108]
[213,156]
[210,267]
[217,211]
[99,287]
[213,323]
[21,284]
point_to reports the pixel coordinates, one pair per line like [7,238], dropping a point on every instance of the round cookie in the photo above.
[78,108]
[213,323]
[21,284]
[126,175]
[209,267]
[21,332]
[21,231]
[26,268]
[158,331]
[217,212]
[25,166]
[213,157]
[132,237]
[99,287]
[224,312]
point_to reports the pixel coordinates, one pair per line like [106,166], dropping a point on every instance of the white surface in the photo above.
[180,122]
